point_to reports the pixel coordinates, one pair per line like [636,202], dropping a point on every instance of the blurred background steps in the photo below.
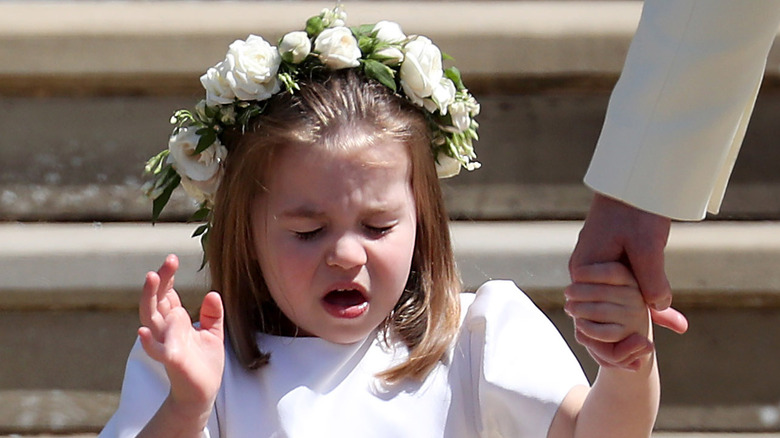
[88,88]
[69,296]
[86,91]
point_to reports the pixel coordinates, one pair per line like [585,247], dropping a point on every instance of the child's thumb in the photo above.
[212,313]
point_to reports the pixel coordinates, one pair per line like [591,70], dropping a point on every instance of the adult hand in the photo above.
[193,357]
[610,316]
[614,231]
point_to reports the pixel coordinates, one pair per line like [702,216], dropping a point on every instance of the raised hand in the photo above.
[193,357]
[610,316]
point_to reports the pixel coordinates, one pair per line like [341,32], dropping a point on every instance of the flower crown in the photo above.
[238,87]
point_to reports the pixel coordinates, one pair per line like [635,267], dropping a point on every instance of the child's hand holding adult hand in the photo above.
[611,318]
[193,357]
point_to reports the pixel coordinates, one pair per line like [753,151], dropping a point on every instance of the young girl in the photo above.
[329,247]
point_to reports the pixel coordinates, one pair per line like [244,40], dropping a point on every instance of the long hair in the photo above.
[323,113]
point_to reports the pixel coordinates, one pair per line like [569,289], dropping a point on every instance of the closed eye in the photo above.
[307,235]
[378,231]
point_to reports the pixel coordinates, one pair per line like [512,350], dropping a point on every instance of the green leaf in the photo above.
[200,215]
[314,26]
[366,44]
[381,58]
[182,116]
[245,114]
[155,164]
[446,57]
[382,73]
[200,230]
[211,111]
[363,29]
[166,176]
[159,203]
[454,75]
[207,138]
[289,82]
[204,240]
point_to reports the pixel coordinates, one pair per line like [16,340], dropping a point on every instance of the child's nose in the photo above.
[347,252]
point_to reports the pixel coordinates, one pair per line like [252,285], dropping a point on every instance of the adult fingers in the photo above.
[602,236]
[670,318]
[611,273]
[647,264]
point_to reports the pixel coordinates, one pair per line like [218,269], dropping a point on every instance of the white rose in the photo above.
[443,95]
[200,173]
[295,47]
[421,69]
[389,32]
[338,48]
[393,55]
[461,116]
[446,166]
[218,91]
[252,68]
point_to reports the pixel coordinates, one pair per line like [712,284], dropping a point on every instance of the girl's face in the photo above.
[334,236]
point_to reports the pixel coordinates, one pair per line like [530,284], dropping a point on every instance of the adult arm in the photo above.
[678,114]
[674,125]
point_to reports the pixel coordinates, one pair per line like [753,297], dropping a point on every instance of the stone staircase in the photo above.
[86,89]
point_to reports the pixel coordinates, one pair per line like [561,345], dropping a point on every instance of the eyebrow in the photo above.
[309,213]
[302,212]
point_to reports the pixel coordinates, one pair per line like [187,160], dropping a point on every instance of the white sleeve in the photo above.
[522,365]
[144,389]
[678,114]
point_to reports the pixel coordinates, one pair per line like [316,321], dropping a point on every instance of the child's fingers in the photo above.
[158,296]
[603,312]
[600,293]
[173,298]
[211,313]
[167,271]
[612,273]
[617,354]
[147,306]
[599,331]
[151,346]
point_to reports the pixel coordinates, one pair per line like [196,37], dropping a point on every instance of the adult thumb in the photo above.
[670,318]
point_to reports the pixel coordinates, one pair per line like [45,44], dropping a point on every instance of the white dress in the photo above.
[507,374]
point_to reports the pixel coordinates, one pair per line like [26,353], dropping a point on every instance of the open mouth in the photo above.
[345,303]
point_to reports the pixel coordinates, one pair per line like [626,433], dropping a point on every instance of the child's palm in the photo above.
[193,357]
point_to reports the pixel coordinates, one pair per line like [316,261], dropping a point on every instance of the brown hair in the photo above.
[426,318]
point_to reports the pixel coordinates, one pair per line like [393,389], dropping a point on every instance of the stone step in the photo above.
[69,291]
[655,435]
[98,82]
[66,413]
[83,266]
